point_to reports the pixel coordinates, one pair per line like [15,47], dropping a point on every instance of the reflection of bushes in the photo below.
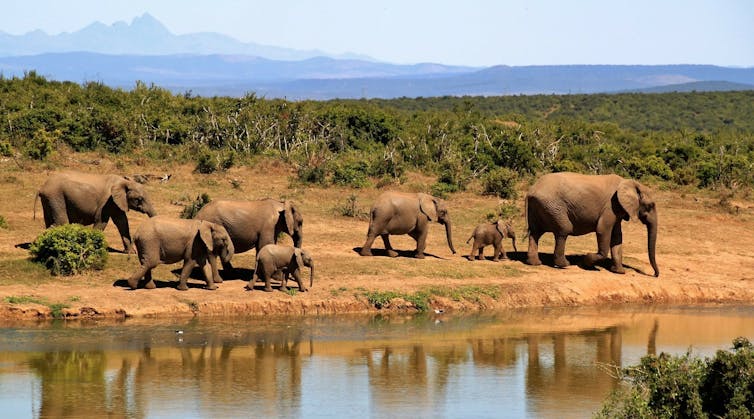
[667,386]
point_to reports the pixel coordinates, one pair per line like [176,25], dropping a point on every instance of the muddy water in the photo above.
[541,363]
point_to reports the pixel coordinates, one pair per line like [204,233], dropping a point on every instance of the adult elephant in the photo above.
[254,224]
[82,198]
[572,204]
[406,213]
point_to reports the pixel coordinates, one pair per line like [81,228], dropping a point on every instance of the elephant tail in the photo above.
[36,198]
[469,239]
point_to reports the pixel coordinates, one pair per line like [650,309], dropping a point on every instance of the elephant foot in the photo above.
[250,286]
[562,263]
[495,260]
[420,255]
[618,269]
[133,284]
[392,253]
[365,252]
[283,288]
[211,287]
[533,261]
[218,280]
[150,285]
[182,287]
[267,289]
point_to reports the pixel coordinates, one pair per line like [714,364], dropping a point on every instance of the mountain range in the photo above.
[213,64]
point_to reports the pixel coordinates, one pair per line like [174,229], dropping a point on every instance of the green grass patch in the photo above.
[56,309]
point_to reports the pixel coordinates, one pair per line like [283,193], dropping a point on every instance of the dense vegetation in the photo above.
[70,249]
[701,139]
[667,386]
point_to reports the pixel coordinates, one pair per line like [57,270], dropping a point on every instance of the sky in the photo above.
[463,32]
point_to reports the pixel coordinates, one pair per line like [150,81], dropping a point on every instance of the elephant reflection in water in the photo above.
[242,376]
[73,383]
[567,377]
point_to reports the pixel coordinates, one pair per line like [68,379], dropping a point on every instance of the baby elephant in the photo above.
[289,260]
[491,233]
[169,240]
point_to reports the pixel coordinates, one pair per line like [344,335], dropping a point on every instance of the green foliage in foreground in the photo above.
[700,139]
[667,386]
[190,210]
[70,249]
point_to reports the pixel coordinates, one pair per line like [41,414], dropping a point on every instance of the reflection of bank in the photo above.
[218,378]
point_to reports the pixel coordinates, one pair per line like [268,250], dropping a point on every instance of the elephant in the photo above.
[491,234]
[72,197]
[254,224]
[406,213]
[165,240]
[572,204]
[289,260]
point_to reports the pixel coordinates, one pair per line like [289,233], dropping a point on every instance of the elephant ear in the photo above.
[500,227]
[290,222]
[299,258]
[428,205]
[118,193]
[205,233]
[628,196]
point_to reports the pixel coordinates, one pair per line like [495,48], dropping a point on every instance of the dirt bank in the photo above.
[704,253]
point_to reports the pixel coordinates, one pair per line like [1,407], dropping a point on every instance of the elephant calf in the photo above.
[491,234]
[163,240]
[289,260]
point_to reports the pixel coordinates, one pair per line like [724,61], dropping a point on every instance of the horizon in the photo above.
[669,35]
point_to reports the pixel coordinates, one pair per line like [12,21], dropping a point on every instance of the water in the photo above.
[533,363]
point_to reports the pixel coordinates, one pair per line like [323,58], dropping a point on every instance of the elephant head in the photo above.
[217,240]
[293,222]
[435,210]
[129,194]
[636,202]
[304,259]
[506,230]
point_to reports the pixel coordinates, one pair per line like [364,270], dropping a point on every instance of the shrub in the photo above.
[501,182]
[351,209]
[3,223]
[190,210]
[42,144]
[312,175]
[206,164]
[667,386]
[351,173]
[5,149]
[70,249]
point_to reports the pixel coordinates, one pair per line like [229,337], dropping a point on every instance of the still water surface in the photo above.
[533,363]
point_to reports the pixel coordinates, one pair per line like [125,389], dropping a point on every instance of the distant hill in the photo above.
[699,86]
[145,35]
[213,64]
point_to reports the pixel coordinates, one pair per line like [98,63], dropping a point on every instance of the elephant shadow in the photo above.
[578,260]
[512,256]
[24,246]
[243,274]
[159,283]
[401,253]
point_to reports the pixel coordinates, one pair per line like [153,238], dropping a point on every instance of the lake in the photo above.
[523,363]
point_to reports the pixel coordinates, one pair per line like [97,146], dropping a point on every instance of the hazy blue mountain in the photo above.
[145,35]
[699,86]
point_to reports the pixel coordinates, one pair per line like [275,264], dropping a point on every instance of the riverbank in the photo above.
[704,254]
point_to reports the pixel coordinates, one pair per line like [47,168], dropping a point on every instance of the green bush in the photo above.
[351,173]
[3,223]
[501,182]
[5,149]
[206,164]
[70,249]
[42,144]
[667,386]
[190,210]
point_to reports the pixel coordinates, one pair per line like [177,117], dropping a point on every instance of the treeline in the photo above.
[701,139]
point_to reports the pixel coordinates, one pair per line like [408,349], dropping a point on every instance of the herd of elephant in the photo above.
[565,204]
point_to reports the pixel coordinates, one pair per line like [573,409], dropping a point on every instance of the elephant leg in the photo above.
[421,243]
[121,222]
[560,259]
[480,252]
[133,281]
[188,266]
[532,256]
[366,249]
[388,247]
[208,271]
[473,250]
[603,247]
[284,281]
[499,252]
[148,281]
[297,277]
[616,249]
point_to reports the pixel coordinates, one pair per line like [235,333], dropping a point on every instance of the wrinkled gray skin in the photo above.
[406,213]
[288,260]
[165,240]
[254,224]
[491,234]
[572,204]
[86,199]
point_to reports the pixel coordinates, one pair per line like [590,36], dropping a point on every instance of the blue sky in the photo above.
[466,32]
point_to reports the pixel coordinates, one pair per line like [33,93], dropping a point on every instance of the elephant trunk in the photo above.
[149,210]
[449,236]
[513,237]
[652,241]
[311,274]
[298,238]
